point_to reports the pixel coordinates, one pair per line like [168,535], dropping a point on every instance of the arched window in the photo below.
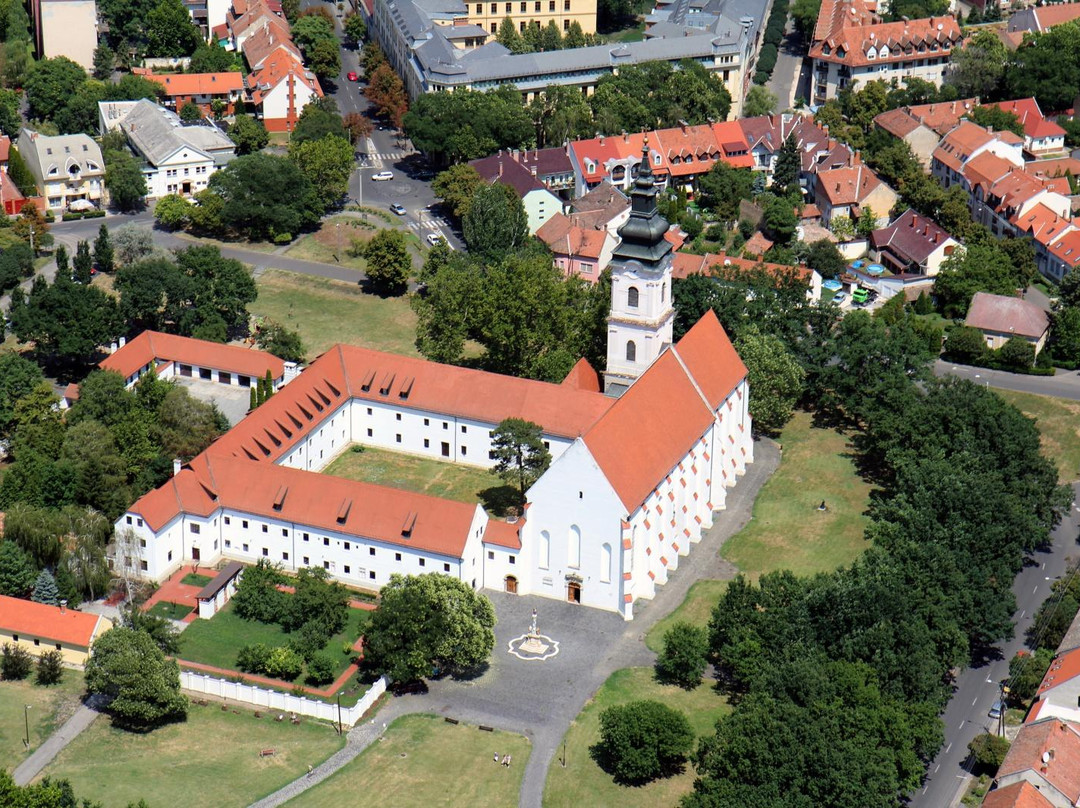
[545,549]
[632,297]
[663,292]
[573,547]
[605,564]
[631,351]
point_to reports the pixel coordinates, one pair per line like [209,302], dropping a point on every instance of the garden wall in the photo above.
[277,700]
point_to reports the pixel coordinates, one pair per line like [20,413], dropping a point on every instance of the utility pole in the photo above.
[26,716]
[339,714]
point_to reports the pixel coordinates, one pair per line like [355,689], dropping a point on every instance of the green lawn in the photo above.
[423,475]
[696,609]
[1059,425]
[423,761]
[787,531]
[582,782]
[49,707]
[172,611]
[194,579]
[211,759]
[218,640]
[326,312]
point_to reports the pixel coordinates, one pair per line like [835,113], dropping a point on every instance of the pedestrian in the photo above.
[496,757]
[508,759]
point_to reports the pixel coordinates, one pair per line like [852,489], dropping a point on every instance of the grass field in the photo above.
[696,609]
[49,707]
[330,243]
[195,579]
[582,782]
[326,312]
[171,611]
[423,761]
[1059,425]
[218,640]
[787,531]
[421,474]
[211,759]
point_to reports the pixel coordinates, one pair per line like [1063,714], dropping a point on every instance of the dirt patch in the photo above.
[333,236]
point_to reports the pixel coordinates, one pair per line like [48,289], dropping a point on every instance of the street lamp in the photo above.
[26,716]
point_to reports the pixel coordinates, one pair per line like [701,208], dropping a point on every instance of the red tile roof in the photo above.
[1043,224]
[686,264]
[1007,315]
[658,420]
[1031,118]
[912,237]
[563,237]
[1067,249]
[1050,15]
[583,376]
[276,68]
[46,622]
[898,122]
[154,346]
[504,534]
[847,186]
[964,140]
[1018,795]
[943,115]
[185,84]
[847,30]
[505,169]
[1064,668]
[1059,742]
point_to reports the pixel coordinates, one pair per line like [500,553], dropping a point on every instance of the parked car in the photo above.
[353,77]
[839,298]
[435,238]
[383,176]
[398,209]
[996,709]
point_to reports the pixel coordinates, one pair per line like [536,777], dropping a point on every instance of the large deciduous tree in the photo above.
[327,163]
[386,92]
[265,196]
[495,225]
[427,624]
[128,667]
[170,31]
[641,741]
[456,187]
[124,181]
[775,378]
[683,659]
[248,134]
[519,452]
[51,84]
[388,262]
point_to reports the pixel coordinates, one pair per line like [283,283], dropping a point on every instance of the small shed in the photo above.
[217,593]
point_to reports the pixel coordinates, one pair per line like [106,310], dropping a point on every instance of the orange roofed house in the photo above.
[202,89]
[38,628]
[1046,756]
[635,478]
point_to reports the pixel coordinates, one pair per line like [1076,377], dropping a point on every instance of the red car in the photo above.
[353,77]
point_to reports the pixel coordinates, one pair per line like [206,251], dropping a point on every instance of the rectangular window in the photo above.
[427,422]
[423,562]
[285,531]
[58,648]
[266,528]
[244,524]
[513,559]
[170,555]
[346,545]
[427,443]
[446,568]
[491,555]
[566,6]
[306,562]
[306,537]
[245,548]
[138,522]
[370,433]
[128,519]
[266,552]
[228,521]
[346,569]
[551,5]
[38,642]
[464,451]
[326,542]
[371,575]
[284,556]
[228,543]
[397,416]
[142,566]
[371,551]
[369,410]
[204,373]
[464,429]
[445,449]
[142,542]
[479,8]
[397,556]
[397,438]
[446,424]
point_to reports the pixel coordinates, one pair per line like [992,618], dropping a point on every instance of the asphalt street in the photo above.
[1063,384]
[977,687]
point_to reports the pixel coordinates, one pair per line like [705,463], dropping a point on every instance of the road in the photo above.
[1063,384]
[791,77]
[977,688]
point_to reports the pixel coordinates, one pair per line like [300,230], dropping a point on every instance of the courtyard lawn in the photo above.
[326,312]
[582,782]
[218,640]
[169,610]
[49,708]
[696,609]
[423,475]
[423,761]
[1058,420]
[194,579]
[210,759]
[787,531]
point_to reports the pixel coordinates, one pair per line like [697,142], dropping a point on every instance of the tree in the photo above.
[723,187]
[211,58]
[520,456]
[775,379]
[45,590]
[160,629]
[10,119]
[785,177]
[551,38]
[461,126]
[170,31]
[388,262]
[265,197]
[318,120]
[133,244]
[257,596]
[172,212]
[387,93]
[191,112]
[824,258]
[283,663]
[15,662]
[18,378]
[1026,672]
[32,228]
[125,181]
[779,222]
[84,263]
[509,37]
[17,573]
[641,741]
[144,687]
[683,658]
[321,669]
[427,624]
[103,250]
[495,223]
[997,119]
[989,750]
[328,164]
[63,265]
[51,83]
[560,114]
[282,342]
[759,101]
[978,68]
[50,668]
[1017,353]
[355,29]
[248,134]
[358,126]
[978,268]
[456,187]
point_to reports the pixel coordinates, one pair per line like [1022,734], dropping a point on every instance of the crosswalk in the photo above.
[430,223]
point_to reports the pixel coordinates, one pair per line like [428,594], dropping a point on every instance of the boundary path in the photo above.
[44,754]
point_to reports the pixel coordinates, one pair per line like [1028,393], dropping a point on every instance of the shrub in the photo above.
[320,669]
[1026,671]
[284,663]
[309,639]
[15,662]
[252,658]
[965,344]
[641,741]
[50,668]
[989,750]
[682,662]
[1017,353]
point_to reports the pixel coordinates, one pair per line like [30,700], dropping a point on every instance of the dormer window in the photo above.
[825,49]
[840,52]
[871,54]
[52,171]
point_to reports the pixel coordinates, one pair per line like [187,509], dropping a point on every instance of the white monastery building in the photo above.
[635,478]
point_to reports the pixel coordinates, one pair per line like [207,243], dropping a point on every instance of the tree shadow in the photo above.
[500,499]
[604,758]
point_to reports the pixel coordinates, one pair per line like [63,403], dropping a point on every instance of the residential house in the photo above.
[39,627]
[280,89]
[851,44]
[765,135]
[540,203]
[1064,256]
[1058,695]
[1001,318]
[581,251]
[1048,230]
[604,206]
[65,28]
[553,167]
[202,89]
[851,192]
[1041,136]
[922,126]
[967,140]
[913,243]
[1021,794]
[67,168]
[720,265]
[178,158]
[1039,19]
[1046,755]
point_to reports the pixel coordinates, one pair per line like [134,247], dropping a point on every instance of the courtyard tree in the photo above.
[45,590]
[388,262]
[641,741]
[257,596]
[683,658]
[429,624]
[143,686]
[282,342]
[495,224]
[160,629]
[775,378]
[17,574]
[519,453]
[248,134]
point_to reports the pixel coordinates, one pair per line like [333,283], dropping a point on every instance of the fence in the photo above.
[277,700]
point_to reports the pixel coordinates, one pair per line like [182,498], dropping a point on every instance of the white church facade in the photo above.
[635,478]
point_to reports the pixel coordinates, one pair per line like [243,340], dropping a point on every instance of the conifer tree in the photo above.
[45,589]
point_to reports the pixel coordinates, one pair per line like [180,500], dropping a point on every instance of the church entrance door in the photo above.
[511,584]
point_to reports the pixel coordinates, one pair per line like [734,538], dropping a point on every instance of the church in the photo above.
[637,469]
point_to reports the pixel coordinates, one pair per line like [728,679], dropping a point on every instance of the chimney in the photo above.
[566,147]
[63,606]
[176,465]
[500,168]
[625,136]
[937,237]
[856,159]
[914,221]
[825,129]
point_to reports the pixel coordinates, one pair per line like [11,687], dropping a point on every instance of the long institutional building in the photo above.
[635,477]
[448,45]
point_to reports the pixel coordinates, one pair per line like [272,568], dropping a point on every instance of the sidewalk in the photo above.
[44,754]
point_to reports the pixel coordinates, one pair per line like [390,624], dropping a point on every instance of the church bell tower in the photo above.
[642,317]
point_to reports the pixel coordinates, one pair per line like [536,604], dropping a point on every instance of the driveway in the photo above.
[791,76]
